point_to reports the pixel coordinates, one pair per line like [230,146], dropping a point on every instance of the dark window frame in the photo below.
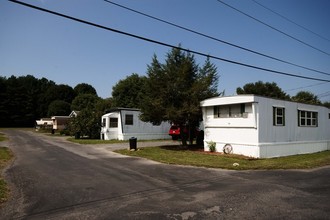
[229,109]
[307,118]
[278,116]
[113,123]
[129,119]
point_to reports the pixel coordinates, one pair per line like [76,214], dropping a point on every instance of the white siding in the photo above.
[139,129]
[257,136]
[268,133]
[241,133]
[111,133]
[143,130]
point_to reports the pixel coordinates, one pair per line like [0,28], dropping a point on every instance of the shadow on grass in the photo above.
[200,150]
[193,147]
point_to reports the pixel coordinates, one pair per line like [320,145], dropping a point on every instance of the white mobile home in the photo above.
[124,123]
[264,127]
[44,123]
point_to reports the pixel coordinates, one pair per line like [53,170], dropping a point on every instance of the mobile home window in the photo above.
[278,116]
[113,122]
[229,111]
[307,118]
[104,122]
[128,119]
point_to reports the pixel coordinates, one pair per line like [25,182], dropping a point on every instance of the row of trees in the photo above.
[272,90]
[25,99]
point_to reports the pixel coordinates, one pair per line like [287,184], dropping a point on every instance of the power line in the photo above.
[165,44]
[273,28]
[303,87]
[322,95]
[215,39]
[289,20]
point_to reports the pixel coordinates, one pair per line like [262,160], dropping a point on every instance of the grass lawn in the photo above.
[179,156]
[5,156]
[94,141]
[2,137]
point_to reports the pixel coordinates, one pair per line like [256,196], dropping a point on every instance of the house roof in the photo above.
[118,109]
[244,98]
[45,119]
[60,117]
[223,100]
[74,113]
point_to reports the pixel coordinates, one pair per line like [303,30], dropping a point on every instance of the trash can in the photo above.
[132,143]
[77,135]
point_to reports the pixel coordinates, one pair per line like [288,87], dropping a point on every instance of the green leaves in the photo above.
[59,107]
[264,89]
[176,87]
[129,92]
[83,101]
[273,91]
[306,97]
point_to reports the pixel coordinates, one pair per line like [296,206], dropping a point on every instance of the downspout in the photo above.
[255,113]
[121,120]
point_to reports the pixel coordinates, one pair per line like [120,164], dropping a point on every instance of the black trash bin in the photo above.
[132,143]
[77,135]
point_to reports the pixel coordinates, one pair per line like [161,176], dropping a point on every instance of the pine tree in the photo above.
[175,89]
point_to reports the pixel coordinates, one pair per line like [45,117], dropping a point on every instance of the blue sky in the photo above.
[67,52]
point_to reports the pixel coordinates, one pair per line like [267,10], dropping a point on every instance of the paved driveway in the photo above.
[54,179]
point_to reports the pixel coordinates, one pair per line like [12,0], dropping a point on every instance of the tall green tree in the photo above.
[103,104]
[58,107]
[4,111]
[84,88]
[326,104]
[20,100]
[86,123]
[175,89]
[306,97]
[129,92]
[56,92]
[60,92]
[84,101]
[267,89]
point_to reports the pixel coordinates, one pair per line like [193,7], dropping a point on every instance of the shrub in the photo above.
[212,146]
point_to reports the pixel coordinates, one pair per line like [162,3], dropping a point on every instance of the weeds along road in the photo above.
[54,179]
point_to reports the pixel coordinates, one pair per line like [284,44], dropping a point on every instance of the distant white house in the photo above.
[264,127]
[61,122]
[124,123]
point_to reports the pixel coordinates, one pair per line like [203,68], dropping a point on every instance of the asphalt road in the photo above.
[54,179]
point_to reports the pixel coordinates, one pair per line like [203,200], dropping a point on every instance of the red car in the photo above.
[175,132]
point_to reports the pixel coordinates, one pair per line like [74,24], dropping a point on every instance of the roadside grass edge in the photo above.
[177,156]
[6,156]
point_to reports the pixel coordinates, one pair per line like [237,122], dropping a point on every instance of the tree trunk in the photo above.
[183,135]
[191,131]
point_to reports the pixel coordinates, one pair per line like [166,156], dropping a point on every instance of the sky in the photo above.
[37,43]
